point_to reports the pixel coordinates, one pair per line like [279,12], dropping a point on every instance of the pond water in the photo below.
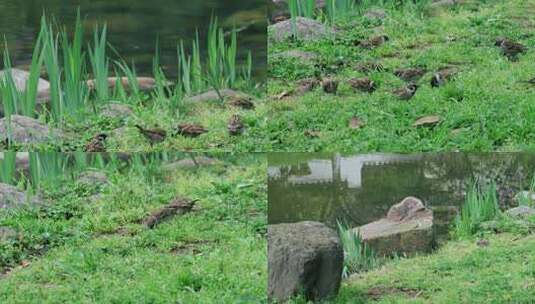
[360,189]
[135,25]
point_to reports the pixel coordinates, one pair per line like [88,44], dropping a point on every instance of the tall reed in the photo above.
[8,167]
[100,63]
[481,204]
[358,256]
[53,69]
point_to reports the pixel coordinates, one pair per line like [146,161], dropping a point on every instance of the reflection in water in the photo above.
[361,188]
[135,25]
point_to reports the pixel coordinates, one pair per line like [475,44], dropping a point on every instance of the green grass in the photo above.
[358,257]
[76,110]
[80,252]
[486,108]
[480,205]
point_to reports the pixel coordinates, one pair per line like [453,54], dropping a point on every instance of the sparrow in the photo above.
[483,243]
[178,206]
[370,66]
[411,74]
[306,85]
[363,84]
[235,125]
[531,81]
[510,48]
[153,135]
[373,42]
[242,102]
[191,130]
[97,144]
[443,76]
[407,92]
[329,85]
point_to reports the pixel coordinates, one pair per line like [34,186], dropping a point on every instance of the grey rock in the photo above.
[443,3]
[11,197]
[375,14]
[407,229]
[26,130]
[307,29]
[7,234]
[305,57]
[188,163]
[116,110]
[489,226]
[92,178]
[212,96]
[305,257]
[521,211]
[524,197]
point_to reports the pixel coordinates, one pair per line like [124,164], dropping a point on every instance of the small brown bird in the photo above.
[483,243]
[364,84]
[443,76]
[191,130]
[153,135]
[97,144]
[235,125]
[531,81]
[242,102]
[370,66]
[373,42]
[510,48]
[329,85]
[178,206]
[407,92]
[306,85]
[411,74]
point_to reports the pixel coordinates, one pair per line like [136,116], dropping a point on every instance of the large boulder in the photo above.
[307,29]
[188,163]
[213,96]
[406,229]
[521,212]
[26,130]
[11,197]
[305,257]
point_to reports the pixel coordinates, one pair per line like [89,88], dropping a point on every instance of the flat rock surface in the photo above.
[116,110]
[12,197]
[26,130]
[407,228]
[188,163]
[307,29]
[521,211]
[212,96]
[92,178]
[305,257]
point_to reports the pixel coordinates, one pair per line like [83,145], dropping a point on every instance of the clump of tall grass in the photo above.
[481,204]
[8,167]
[526,199]
[358,256]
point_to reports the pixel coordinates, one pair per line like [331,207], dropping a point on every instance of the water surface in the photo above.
[360,189]
[135,25]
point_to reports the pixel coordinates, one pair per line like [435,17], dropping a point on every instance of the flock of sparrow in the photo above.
[509,48]
[235,127]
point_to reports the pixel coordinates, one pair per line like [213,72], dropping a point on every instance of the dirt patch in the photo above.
[378,292]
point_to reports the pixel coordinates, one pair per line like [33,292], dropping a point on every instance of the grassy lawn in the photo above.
[460,272]
[484,108]
[79,252]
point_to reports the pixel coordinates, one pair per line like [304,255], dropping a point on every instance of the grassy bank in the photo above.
[485,107]
[83,77]
[82,251]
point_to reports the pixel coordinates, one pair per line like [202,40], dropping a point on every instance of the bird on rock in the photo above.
[373,42]
[242,102]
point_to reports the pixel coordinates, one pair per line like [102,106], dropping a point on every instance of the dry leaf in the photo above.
[427,121]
